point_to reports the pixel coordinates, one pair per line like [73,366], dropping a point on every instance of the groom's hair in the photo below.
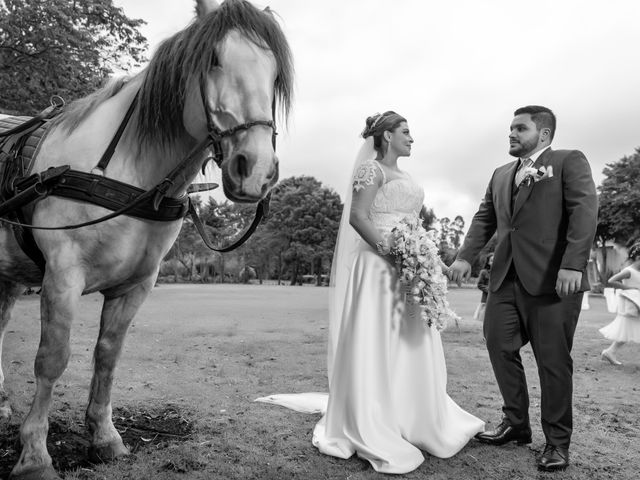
[543,117]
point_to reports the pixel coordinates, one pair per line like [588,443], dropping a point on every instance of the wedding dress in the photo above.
[387,372]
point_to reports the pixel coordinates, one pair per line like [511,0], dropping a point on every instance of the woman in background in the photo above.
[626,326]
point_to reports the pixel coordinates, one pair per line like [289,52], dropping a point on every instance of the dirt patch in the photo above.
[68,441]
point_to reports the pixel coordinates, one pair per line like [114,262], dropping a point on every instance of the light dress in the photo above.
[625,327]
[388,398]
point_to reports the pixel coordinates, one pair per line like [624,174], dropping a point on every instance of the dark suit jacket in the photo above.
[551,226]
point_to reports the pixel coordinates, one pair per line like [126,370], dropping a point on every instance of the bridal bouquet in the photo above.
[416,257]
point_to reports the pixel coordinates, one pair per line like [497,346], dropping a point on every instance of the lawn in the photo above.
[198,355]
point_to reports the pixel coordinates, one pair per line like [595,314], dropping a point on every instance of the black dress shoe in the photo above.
[505,433]
[553,458]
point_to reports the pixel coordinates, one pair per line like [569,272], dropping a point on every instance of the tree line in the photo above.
[296,239]
[296,242]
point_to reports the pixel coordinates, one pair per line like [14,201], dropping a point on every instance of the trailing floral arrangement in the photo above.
[420,269]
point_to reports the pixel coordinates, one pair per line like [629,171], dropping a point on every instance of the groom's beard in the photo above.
[523,148]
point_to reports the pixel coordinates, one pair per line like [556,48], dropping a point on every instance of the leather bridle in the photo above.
[216,134]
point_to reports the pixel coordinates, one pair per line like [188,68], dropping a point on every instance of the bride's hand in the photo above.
[445,270]
[383,248]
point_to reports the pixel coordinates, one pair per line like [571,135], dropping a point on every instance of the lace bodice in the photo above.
[395,200]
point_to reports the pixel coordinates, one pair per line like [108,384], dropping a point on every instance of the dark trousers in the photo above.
[512,319]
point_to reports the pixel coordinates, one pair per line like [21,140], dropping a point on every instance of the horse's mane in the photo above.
[189,54]
[78,110]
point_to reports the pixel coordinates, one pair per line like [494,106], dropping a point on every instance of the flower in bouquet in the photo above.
[419,267]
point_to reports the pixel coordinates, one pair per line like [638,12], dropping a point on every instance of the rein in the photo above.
[44,184]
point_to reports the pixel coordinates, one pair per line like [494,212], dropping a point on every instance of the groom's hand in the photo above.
[459,270]
[568,282]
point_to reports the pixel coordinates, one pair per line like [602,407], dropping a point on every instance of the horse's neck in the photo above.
[149,163]
[143,166]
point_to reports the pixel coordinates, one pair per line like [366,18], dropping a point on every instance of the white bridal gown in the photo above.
[388,398]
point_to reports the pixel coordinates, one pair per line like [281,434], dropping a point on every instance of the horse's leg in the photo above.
[9,292]
[117,313]
[61,291]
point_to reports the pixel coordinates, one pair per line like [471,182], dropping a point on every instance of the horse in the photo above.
[225,76]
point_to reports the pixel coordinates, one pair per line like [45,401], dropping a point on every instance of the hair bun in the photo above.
[370,124]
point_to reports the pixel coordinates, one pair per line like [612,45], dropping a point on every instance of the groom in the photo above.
[544,208]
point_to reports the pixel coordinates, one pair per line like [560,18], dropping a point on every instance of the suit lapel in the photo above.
[525,190]
[506,185]
[543,159]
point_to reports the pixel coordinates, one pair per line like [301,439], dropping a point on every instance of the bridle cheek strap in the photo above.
[216,134]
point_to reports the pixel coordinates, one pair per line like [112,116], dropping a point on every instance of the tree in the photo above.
[619,205]
[428,217]
[299,233]
[62,47]
[456,232]
[450,236]
[303,225]
[444,229]
[226,222]
[188,247]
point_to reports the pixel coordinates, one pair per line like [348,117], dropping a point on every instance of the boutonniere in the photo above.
[534,175]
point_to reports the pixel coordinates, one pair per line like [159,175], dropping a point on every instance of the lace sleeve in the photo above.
[365,174]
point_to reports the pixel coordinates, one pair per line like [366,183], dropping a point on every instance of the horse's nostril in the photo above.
[273,174]
[241,166]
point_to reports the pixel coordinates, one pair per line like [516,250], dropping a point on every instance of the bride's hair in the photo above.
[377,124]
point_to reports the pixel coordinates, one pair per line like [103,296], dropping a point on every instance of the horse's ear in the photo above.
[205,6]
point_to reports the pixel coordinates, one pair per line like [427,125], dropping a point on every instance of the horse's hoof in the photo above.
[43,473]
[107,453]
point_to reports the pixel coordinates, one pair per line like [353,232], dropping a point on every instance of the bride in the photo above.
[387,372]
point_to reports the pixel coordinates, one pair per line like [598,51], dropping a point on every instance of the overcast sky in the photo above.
[456,70]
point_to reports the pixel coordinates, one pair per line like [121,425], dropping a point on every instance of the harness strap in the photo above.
[36,121]
[98,190]
[116,195]
[31,188]
[108,153]
[27,243]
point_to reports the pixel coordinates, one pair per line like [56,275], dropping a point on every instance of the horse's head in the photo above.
[233,103]
[224,75]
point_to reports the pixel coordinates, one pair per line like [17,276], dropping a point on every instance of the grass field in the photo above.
[198,355]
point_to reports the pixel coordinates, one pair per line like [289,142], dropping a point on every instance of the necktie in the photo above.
[520,174]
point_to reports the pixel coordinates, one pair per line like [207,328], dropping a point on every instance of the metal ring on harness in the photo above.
[40,188]
[57,101]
